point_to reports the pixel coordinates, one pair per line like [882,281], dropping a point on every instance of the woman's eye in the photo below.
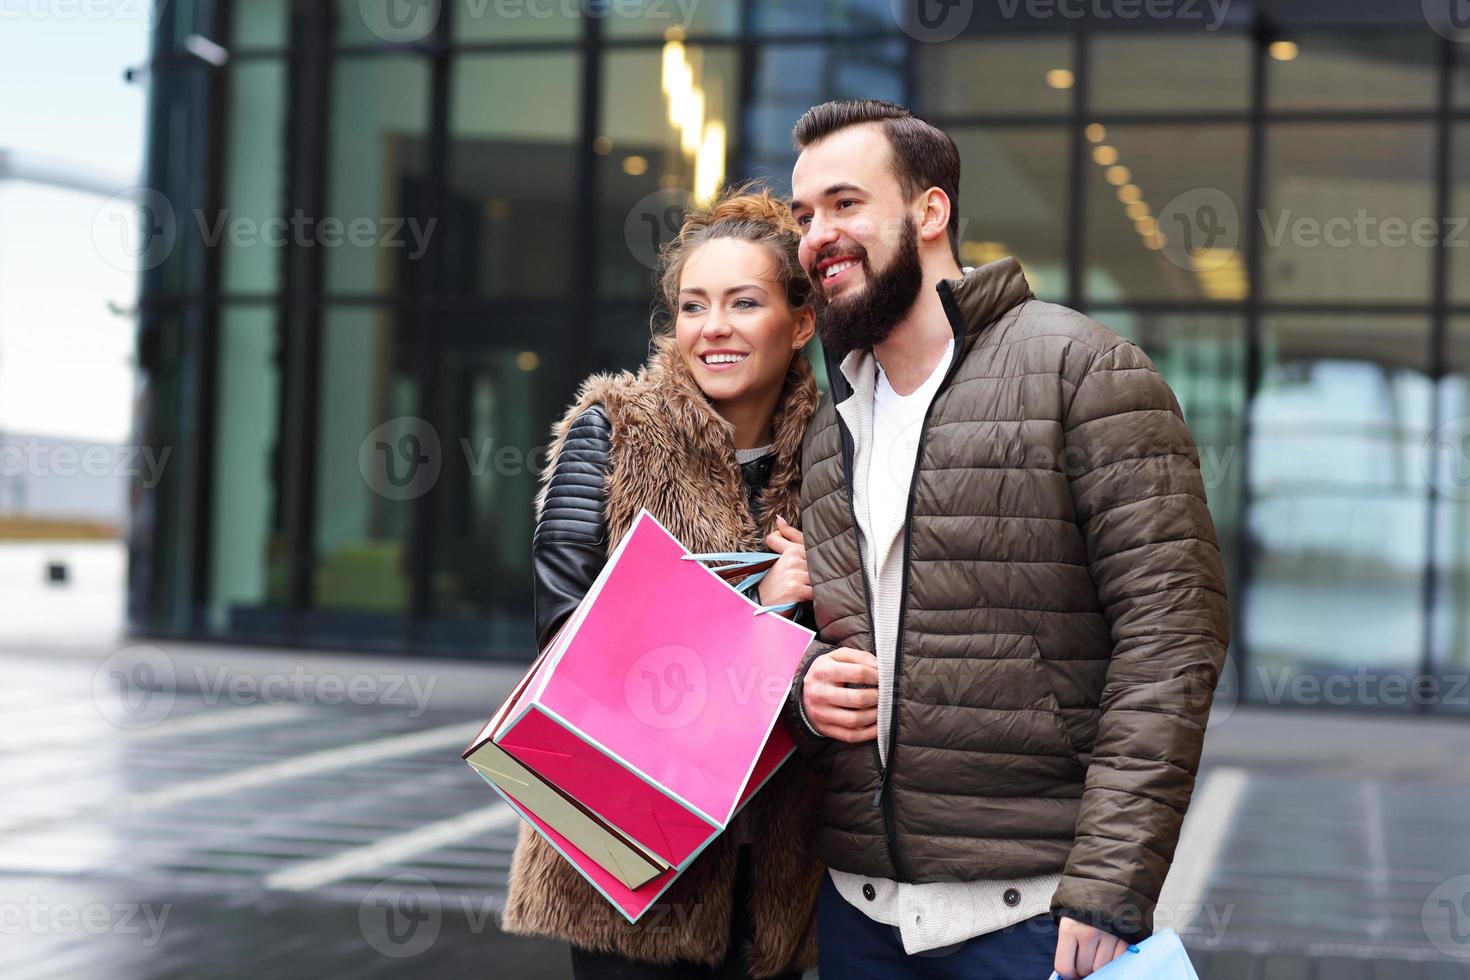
[690,308]
[745,304]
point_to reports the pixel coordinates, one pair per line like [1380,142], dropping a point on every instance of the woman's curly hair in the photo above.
[750,212]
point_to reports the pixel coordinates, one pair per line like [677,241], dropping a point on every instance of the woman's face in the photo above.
[734,329]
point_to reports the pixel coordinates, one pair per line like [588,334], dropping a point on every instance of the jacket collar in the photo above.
[973,302]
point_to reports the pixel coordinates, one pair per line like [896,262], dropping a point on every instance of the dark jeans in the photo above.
[852,946]
[606,966]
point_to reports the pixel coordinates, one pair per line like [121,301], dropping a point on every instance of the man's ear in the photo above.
[934,218]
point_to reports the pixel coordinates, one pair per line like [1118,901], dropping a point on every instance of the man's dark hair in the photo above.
[923,154]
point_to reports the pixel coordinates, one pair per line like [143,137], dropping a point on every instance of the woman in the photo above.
[707,437]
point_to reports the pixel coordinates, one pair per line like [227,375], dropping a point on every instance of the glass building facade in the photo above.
[402,233]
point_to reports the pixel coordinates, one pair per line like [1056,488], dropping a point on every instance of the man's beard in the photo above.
[863,321]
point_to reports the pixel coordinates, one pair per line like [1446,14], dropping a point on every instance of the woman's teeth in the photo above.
[724,358]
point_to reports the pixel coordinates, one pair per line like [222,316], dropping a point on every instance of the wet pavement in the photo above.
[184,814]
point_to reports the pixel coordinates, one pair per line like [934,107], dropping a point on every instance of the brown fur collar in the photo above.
[671,440]
[674,454]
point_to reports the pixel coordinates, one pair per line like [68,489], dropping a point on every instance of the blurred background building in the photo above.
[435,218]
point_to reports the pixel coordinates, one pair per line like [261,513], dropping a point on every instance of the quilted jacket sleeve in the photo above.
[1155,562]
[567,548]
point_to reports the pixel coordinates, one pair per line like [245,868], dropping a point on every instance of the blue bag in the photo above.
[1159,957]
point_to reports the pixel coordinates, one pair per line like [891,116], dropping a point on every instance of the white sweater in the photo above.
[885,427]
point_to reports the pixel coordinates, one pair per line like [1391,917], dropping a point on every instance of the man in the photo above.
[1017,581]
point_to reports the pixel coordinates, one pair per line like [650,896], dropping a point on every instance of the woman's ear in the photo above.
[806,325]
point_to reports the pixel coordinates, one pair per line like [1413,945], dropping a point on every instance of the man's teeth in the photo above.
[838,268]
[724,358]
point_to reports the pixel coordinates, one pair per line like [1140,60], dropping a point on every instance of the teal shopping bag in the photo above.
[1159,957]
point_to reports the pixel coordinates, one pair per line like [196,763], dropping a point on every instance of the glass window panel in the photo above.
[498,390]
[1013,201]
[248,551]
[169,250]
[390,21]
[1164,213]
[790,79]
[1170,72]
[1456,234]
[254,181]
[821,16]
[1009,76]
[374,457]
[1447,461]
[161,576]
[510,214]
[378,173]
[1460,78]
[666,18]
[1338,505]
[1347,209]
[649,168]
[1364,70]
[517,20]
[260,24]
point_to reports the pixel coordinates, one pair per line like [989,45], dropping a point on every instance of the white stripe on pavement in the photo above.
[206,722]
[311,764]
[1211,815]
[389,850]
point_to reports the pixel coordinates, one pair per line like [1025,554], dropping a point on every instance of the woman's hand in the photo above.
[787,580]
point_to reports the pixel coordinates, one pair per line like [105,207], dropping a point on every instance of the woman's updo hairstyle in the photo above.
[747,213]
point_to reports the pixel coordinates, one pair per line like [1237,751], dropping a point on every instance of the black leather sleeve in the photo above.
[568,547]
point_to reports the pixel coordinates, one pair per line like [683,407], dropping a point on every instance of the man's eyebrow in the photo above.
[832,191]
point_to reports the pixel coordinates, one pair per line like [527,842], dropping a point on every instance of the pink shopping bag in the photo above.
[654,709]
[633,902]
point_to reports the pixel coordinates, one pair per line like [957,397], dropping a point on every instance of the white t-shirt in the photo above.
[897,423]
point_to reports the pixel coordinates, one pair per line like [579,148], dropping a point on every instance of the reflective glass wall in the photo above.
[405,232]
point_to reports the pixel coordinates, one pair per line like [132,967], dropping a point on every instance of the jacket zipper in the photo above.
[847,454]
[883,796]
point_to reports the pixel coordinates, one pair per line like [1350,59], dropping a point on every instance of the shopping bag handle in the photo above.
[744,561]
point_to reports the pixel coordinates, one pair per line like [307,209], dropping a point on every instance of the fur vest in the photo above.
[674,454]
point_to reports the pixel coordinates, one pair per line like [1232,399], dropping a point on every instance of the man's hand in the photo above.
[836,709]
[1083,949]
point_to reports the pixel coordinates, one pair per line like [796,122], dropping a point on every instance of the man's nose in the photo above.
[819,234]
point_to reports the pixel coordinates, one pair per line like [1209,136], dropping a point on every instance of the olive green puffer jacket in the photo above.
[1063,620]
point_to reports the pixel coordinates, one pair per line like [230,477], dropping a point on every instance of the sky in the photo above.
[66,362]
